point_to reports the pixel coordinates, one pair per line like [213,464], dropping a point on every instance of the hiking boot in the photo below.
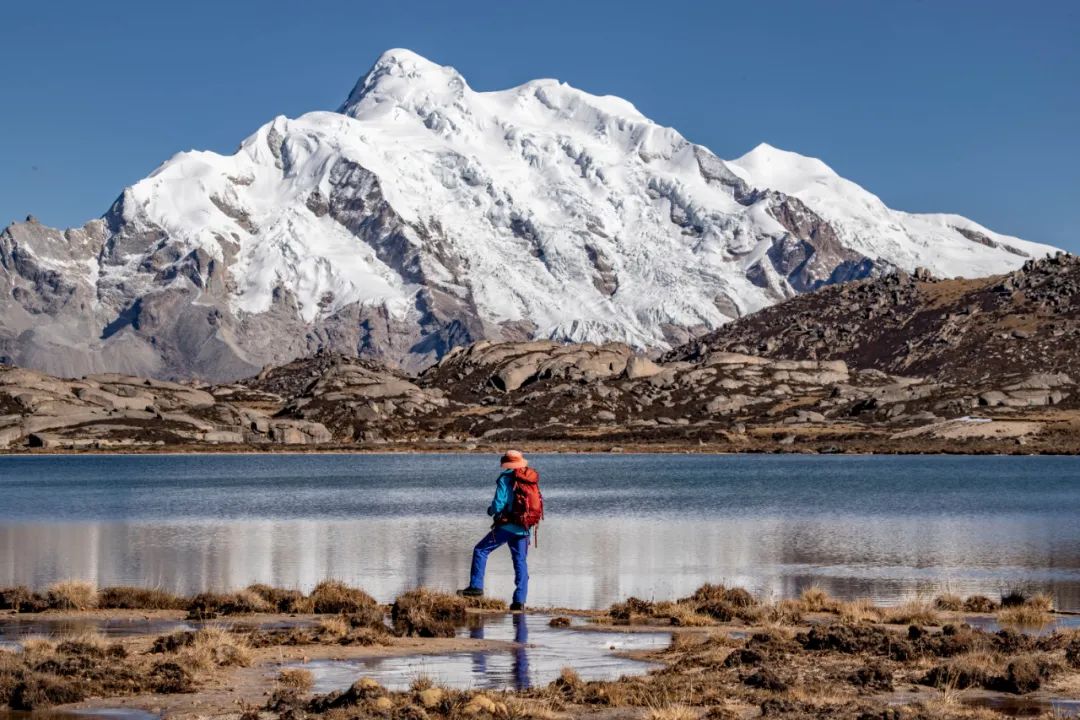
[517,607]
[471,592]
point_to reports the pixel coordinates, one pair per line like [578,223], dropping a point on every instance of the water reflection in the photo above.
[520,665]
[538,657]
[579,563]
[95,714]
[15,629]
[884,528]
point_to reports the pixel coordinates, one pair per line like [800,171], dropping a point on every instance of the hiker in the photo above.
[517,508]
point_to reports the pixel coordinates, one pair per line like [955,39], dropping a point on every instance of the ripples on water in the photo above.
[648,525]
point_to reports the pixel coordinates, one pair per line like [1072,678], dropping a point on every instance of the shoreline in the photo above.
[538,448]
[729,655]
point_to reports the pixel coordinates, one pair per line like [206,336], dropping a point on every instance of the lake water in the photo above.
[655,526]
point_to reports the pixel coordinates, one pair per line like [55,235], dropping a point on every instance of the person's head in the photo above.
[513,459]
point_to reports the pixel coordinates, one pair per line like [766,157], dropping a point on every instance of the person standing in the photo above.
[516,509]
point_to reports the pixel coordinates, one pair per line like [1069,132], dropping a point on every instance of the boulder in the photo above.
[641,367]
[992,398]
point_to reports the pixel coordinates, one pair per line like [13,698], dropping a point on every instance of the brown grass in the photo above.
[672,712]
[334,596]
[979,604]
[682,615]
[213,648]
[334,625]
[486,603]
[949,602]
[815,599]
[210,605]
[859,610]
[71,669]
[21,599]
[428,613]
[284,601]
[72,595]
[1026,611]
[137,598]
[296,680]
[919,611]
[1024,616]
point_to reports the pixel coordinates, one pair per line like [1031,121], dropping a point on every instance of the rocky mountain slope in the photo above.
[961,331]
[898,364]
[424,215]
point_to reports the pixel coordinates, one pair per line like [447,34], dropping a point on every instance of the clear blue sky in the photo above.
[968,106]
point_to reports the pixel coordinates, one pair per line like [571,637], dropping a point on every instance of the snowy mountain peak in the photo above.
[404,77]
[783,169]
[424,215]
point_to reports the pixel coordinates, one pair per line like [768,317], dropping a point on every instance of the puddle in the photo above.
[95,714]
[1026,707]
[13,631]
[542,654]
[991,624]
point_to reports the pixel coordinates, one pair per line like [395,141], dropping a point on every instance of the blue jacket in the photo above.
[503,498]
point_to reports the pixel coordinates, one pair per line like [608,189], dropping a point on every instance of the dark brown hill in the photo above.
[967,331]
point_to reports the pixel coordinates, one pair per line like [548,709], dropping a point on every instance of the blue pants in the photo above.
[519,549]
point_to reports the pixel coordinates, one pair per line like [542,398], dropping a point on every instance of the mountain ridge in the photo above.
[425,215]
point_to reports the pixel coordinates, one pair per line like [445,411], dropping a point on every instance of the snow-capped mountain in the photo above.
[423,214]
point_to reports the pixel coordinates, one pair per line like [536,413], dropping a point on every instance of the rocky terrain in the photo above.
[903,363]
[978,331]
[389,230]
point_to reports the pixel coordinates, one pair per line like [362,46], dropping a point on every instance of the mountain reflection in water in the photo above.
[655,526]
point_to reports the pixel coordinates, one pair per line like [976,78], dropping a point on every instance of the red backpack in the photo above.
[527,503]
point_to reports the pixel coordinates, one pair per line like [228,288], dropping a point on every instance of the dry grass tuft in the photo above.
[72,595]
[682,615]
[1024,616]
[1033,611]
[137,598]
[334,626]
[672,712]
[1041,601]
[21,599]
[815,599]
[428,613]
[486,603]
[295,680]
[979,604]
[711,593]
[919,611]
[949,602]
[284,601]
[212,648]
[858,610]
[785,612]
[972,669]
[334,596]
[210,605]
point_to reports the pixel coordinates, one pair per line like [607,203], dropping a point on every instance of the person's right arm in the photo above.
[502,496]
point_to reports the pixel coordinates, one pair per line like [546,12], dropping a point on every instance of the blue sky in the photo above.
[967,106]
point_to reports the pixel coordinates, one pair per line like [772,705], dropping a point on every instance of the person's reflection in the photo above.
[479,658]
[521,653]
